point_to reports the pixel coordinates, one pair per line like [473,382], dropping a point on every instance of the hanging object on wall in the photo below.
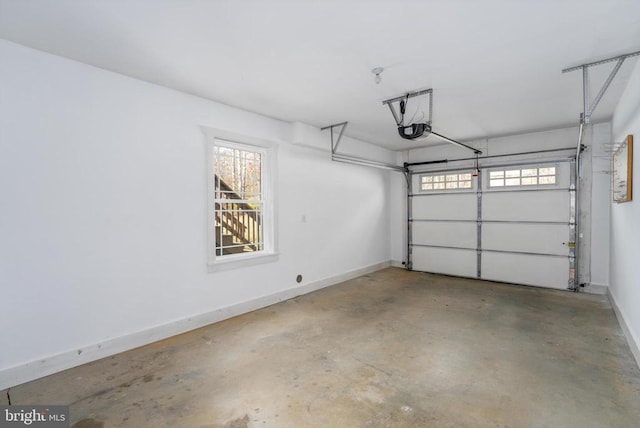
[622,161]
[411,130]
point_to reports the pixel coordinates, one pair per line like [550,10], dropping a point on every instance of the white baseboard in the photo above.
[397,263]
[633,343]
[595,288]
[55,363]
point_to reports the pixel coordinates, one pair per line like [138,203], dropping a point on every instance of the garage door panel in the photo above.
[450,234]
[523,237]
[445,207]
[526,206]
[526,269]
[445,260]
[525,230]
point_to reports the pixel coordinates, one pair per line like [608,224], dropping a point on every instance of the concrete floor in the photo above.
[390,349]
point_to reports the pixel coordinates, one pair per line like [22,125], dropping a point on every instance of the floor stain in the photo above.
[88,423]
[238,423]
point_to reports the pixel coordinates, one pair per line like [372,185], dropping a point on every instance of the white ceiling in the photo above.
[495,65]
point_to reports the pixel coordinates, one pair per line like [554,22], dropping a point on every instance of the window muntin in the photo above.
[530,176]
[238,198]
[439,182]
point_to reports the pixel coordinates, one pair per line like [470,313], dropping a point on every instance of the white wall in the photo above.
[625,221]
[103,222]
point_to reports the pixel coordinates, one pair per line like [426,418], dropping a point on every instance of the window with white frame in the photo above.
[455,181]
[240,200]
[529,176]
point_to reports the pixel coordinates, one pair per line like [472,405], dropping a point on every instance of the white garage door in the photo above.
[512,224]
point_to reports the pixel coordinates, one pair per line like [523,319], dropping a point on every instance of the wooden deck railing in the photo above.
[236,217]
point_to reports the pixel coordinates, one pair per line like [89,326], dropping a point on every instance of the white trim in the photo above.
[595,288]
[631,340]
[234,261]
[222,134]
[55,363]
[398,264]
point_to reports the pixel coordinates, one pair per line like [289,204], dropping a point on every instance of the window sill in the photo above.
[240,261]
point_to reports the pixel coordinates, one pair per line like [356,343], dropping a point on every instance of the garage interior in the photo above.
[243,214]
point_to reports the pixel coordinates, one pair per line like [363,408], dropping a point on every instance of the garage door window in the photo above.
[445,182]
[522,177]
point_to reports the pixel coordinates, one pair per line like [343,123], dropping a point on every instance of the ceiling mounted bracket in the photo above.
[402,103]
[589,107]
[415,130]
[336,142]
[354,160]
